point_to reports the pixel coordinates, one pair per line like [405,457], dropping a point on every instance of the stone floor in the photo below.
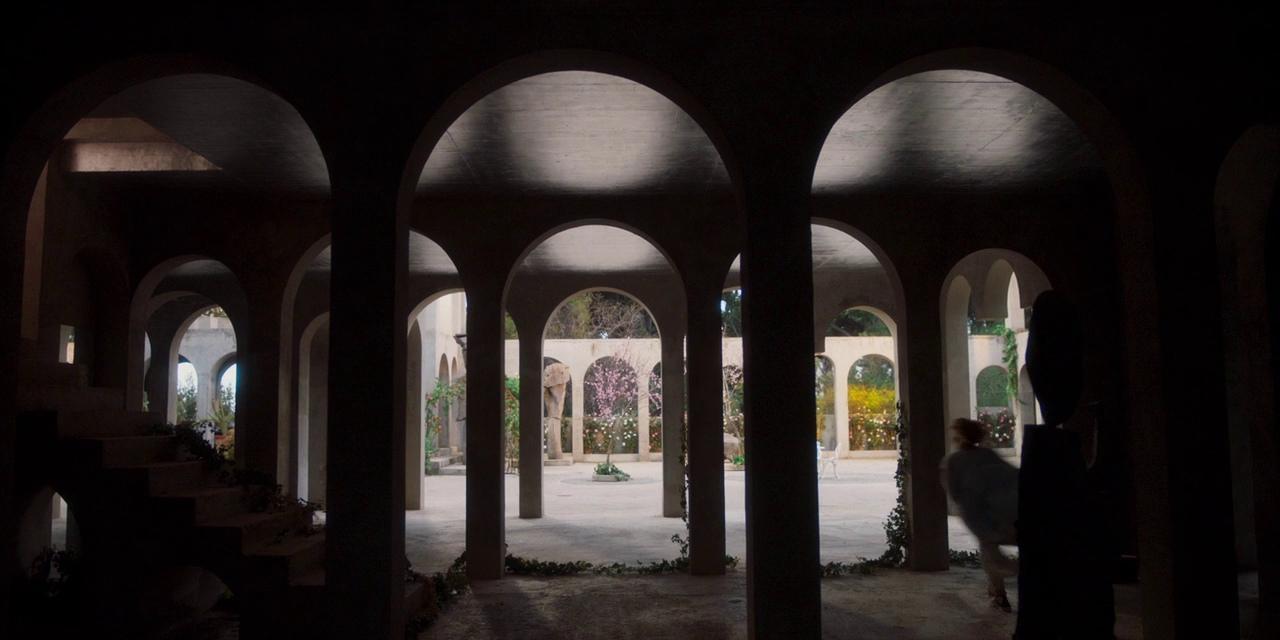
[888,605]
[611,522]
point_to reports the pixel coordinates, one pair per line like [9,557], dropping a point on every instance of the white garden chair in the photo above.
[826,459]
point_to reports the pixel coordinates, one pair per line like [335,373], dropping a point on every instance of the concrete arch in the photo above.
[1095,119]
[585,222]
[77,97]
[989,273]
[550,61]
[638,300]
[898,297]
[313,409]
[1246,203]
[426,302]
[143,304]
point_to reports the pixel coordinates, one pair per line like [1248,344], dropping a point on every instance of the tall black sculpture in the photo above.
[1064,589]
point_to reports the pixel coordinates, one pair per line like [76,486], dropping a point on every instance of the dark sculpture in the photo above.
[1064,589]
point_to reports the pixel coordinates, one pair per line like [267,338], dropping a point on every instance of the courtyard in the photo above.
[602,522]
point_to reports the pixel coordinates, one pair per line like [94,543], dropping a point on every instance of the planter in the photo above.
[729,466]
[595,477]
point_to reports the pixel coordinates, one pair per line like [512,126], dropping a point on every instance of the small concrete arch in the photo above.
[313,409]
[146,300]
[637,299]
[876,358]
[989,273]
[422,304]
[438,120]
[557,230]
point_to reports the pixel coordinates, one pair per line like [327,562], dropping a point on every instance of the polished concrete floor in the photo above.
[888,605]
[622,522]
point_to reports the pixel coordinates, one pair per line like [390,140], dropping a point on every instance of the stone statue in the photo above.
[555,379]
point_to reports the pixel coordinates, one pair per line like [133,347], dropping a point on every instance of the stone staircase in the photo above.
[447,462]
[143,502]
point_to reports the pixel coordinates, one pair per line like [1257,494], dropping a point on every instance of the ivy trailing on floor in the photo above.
[897,528]
[442,588]
[517,565]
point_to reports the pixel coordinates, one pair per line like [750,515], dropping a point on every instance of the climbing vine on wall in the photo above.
[1009,354]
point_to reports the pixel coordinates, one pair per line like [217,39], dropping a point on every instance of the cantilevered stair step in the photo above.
[128,451]
[165,478]
[199,505]
[67,398]
[85,423]
[252,530]
[291,558]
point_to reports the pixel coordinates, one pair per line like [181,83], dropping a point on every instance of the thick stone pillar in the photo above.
[318,416]
[486,529]
[672,422]
[263,412]
[922,393]
[364,545]
[1179,425]
[160,376]
[531,423]
[415,456]
[783,590]
[706,432]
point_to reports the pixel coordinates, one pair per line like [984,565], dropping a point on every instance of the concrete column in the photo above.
[672,422]
[206,388]
[579,408]
[642,412]
[262,388]
[840,379]
[1182,464]
[160,382]
[318,417]
[486,529]
[784,596]
[531,424]
[706,433]
[364,545]
[920,385]
[415,457]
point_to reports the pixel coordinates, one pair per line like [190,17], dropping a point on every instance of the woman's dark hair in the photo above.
[971,432]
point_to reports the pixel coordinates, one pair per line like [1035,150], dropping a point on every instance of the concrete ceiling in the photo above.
[257,139]
[953,130]
[574,132]
[425,258]
[595,249]
[834,252]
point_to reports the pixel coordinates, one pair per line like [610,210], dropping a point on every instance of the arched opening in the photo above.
[599,296]
[981,152]
[1247,204]
[985,338]
[872,397]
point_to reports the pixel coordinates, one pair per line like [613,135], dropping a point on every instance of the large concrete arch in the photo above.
[550,61]
[1247,192]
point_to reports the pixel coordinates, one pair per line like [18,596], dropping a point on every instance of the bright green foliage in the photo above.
[187,403]
[731,313]
[993,387]
[436,408]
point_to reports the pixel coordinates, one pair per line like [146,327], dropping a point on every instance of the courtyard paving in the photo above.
[622,522]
